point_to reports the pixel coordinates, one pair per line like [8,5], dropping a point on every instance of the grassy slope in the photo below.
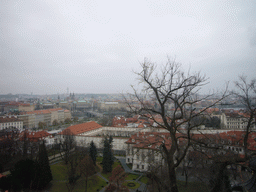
[59,172]
[137,185]
[94,183]
[131,177]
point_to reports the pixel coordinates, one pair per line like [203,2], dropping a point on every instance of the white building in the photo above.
[144,150]
[10,122]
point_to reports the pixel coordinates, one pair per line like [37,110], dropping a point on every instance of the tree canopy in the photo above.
[93,152]
[108,158]
[165,88]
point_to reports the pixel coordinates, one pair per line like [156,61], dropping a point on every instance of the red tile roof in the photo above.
[45,111]
[38,112]
[34,136]
[150,140]
[8,119]
[81,128]
[56,109]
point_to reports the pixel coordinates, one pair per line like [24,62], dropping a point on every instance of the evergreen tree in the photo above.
[23,174]
[25,145]
[43,172]
[108,158]
[110,140]
[93,152]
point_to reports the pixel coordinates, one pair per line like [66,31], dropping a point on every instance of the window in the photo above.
[128,160]
[138,166]
[142,166]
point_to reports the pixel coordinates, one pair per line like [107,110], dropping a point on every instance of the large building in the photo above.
[10,122]
[18,106]
[81,129]
[48,116]
[111,105]
[144,149]
[233,119]
[91,131]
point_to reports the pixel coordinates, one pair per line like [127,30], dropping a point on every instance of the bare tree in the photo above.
[170,86]
[158,178]
[72,171]
[117,178]
[67,145]
[10,150]
[76,167]
[246,92]
[86,168]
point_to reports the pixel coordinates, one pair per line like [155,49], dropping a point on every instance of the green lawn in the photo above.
[95,182]
[58,184]
[137,185]
[144,179]
[116,163]
[107,175]
[99,159]
[59,171]
[131,177]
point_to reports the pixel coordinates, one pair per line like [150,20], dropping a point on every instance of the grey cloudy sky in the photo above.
[92,46]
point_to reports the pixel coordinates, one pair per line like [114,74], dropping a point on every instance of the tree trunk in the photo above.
[173,181]
[186,176]
[220,178]
[86,179]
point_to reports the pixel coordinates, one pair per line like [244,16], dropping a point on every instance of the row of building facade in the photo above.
[32,119]
[142,146]
[7,122]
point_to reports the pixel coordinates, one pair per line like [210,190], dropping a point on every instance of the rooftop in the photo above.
[81,128]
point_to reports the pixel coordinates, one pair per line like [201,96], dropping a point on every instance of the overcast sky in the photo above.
[93,46]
